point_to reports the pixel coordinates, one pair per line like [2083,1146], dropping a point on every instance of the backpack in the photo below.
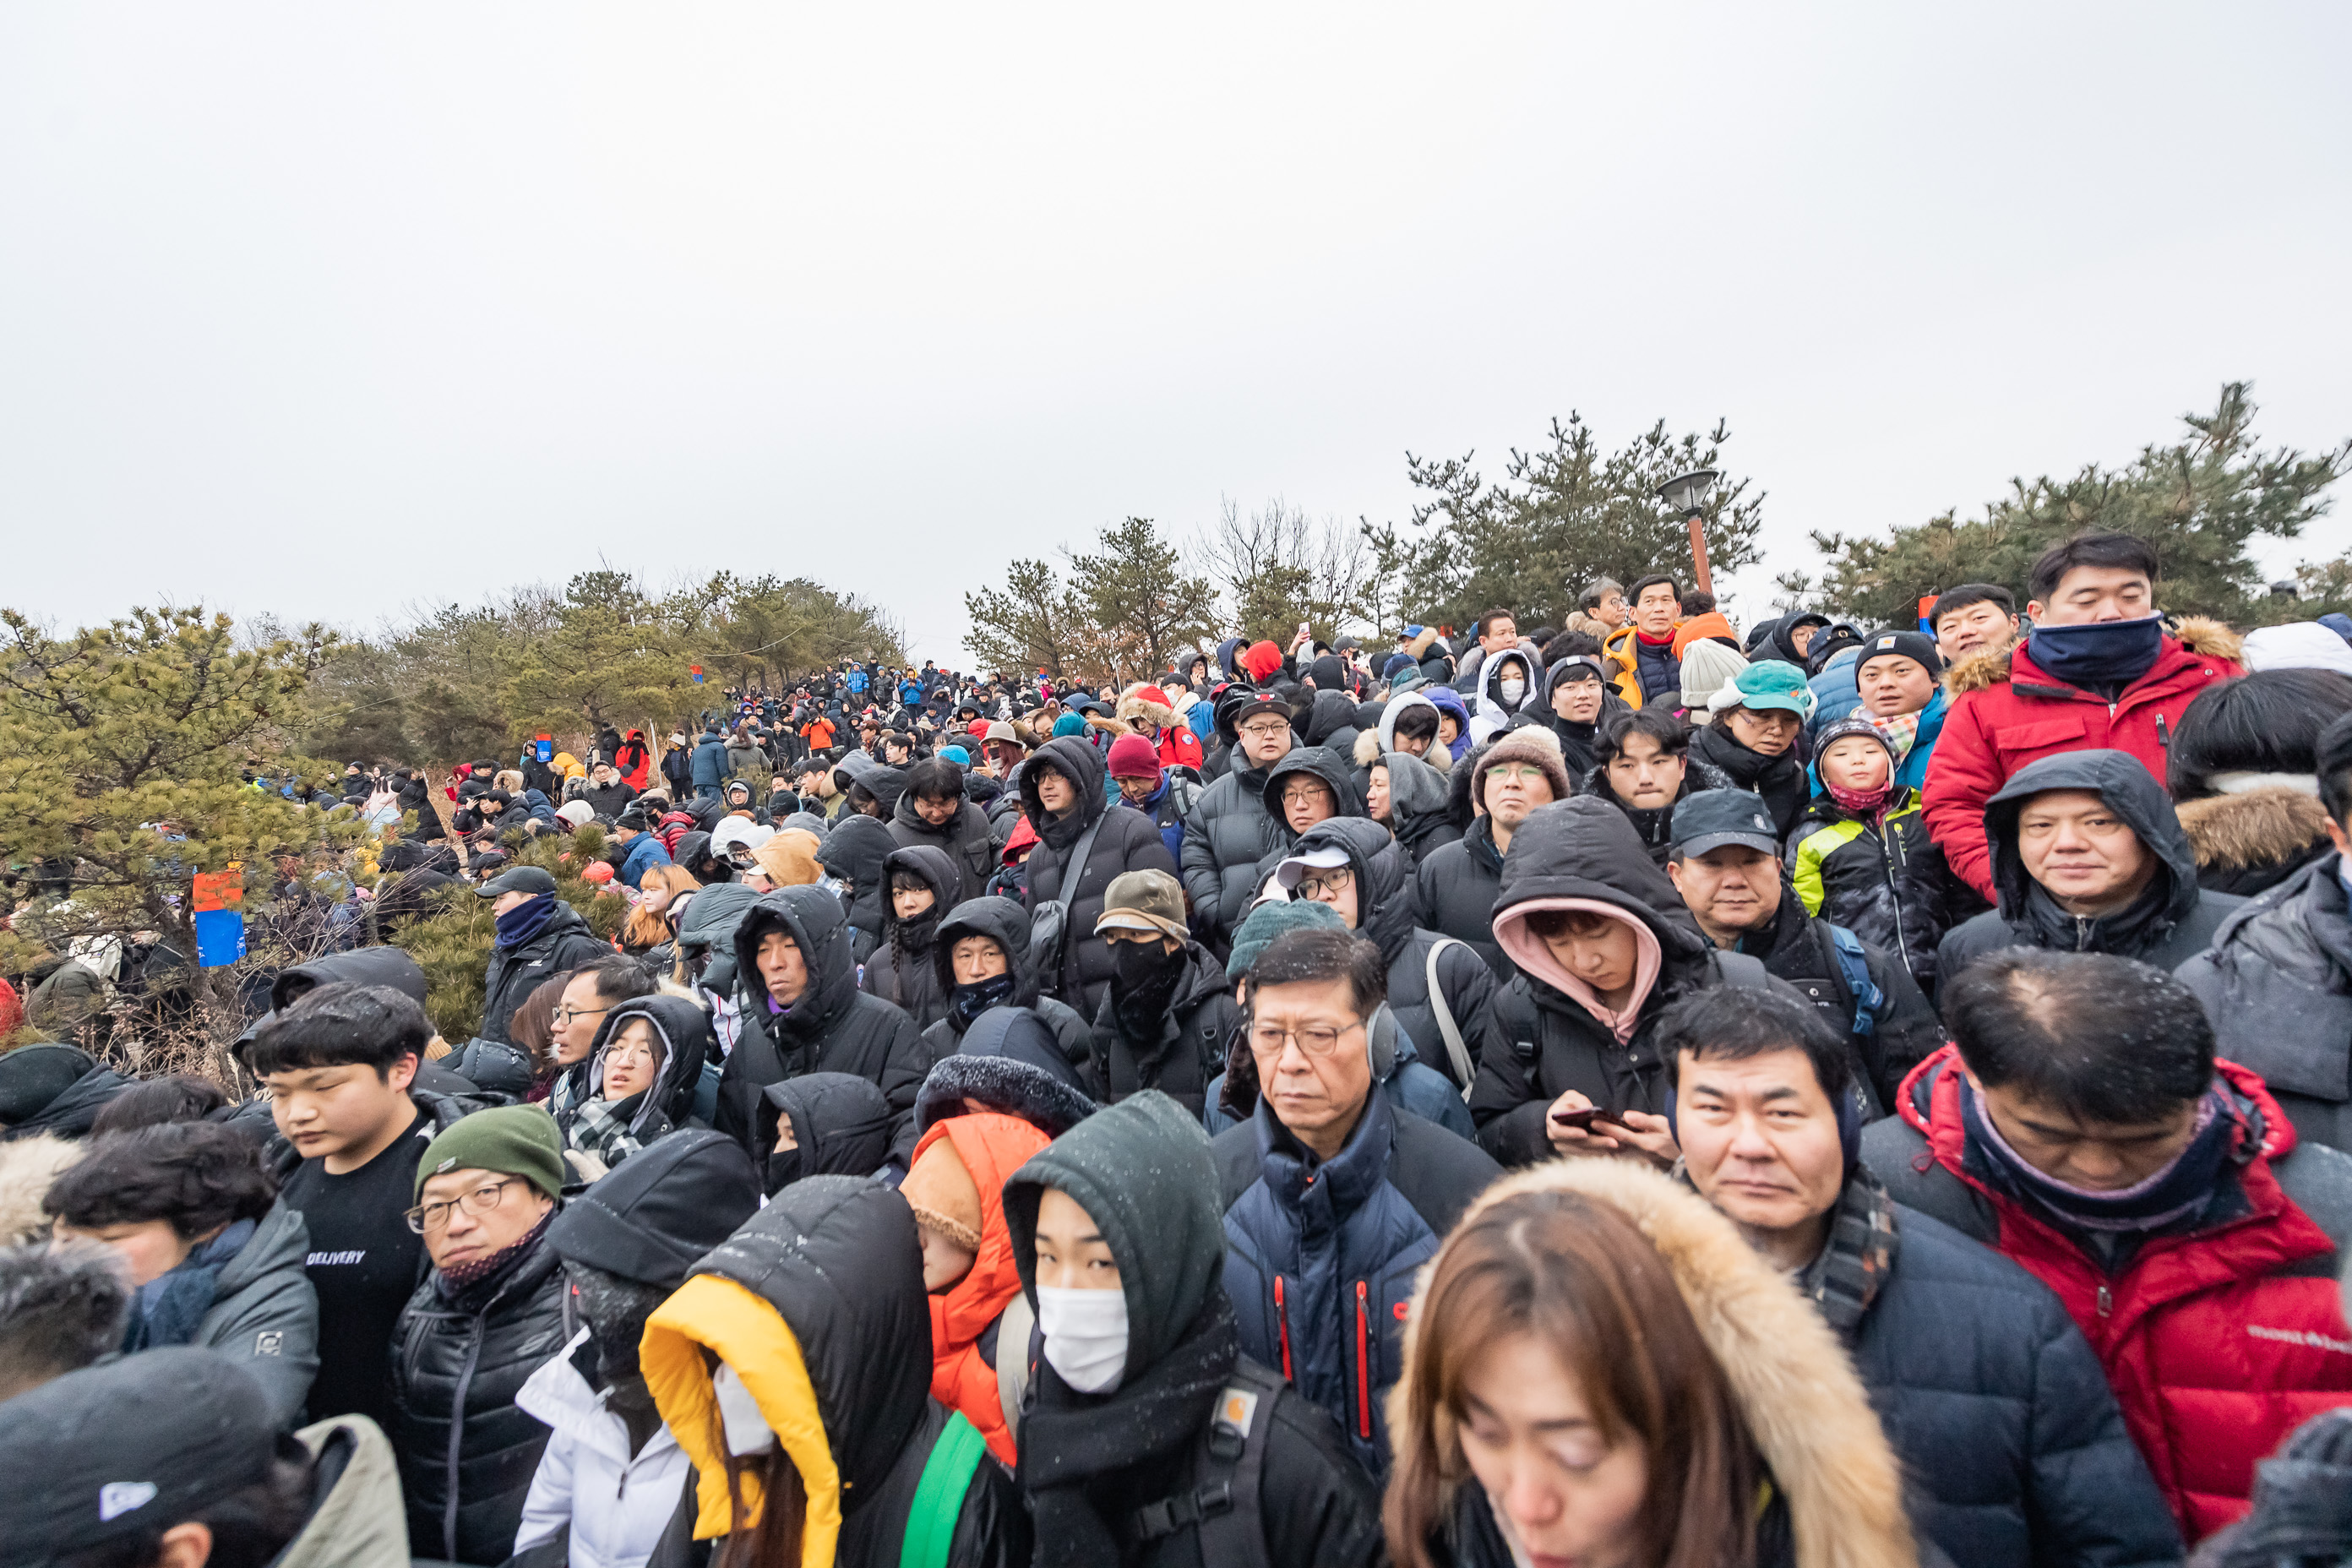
[938,1495]
[1457,1051]
[1853,966]
[1225,1507]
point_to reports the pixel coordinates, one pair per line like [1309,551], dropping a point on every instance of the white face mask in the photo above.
[1512,689]
[1086,1335]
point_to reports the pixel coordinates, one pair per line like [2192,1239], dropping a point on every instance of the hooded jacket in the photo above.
[855,851]
[1185,1046]
[1438,757]
[1321,1255]
[2250,842]
[1385,913]
[1420,813]
[992,1146]
[2218,1337]
[1332,767]
[709,768]
[832,1027]
[1125,841]
[564,942]
[1331,721]
[1230,832]
[1493,715]
[707,930]
[964,841]
[1453,893]
[682,1030]
[2277,983]
[816,1304]
[53,1090]
[2172,920]
[1542,1041]
[1831,1468]
[840,1126]
[1006,924]
[900,969]
[1143,1172]
[265,1315]
[2006,713]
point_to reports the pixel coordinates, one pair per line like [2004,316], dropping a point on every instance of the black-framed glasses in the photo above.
[427,1217]
[563,1016]
[1266,1040]
[1328,880]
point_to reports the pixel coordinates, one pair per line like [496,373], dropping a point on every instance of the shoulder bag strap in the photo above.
[1457,1051]
[1012,1360]
[939,1496]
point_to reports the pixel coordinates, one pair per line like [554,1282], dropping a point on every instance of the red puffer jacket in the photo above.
[2005,712]
[2219,1341]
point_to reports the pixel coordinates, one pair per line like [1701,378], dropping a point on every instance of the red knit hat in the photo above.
[1133,757]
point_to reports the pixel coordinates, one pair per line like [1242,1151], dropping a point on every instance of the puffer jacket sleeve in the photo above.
[993,1528]
[272,1330]
[1908,1033]
[1320,1506]
[906,1062]
[1507,1102]
[1964,773]
[2093,1501]
[1199,869]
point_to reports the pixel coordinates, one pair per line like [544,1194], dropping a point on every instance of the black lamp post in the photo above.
[1683,493]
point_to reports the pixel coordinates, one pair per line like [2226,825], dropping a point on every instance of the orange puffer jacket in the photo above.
[992,1146]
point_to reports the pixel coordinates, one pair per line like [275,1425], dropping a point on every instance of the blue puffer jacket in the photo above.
[709,763]
[1836,691]
[1914,771]
[1319,1260]
[644,850]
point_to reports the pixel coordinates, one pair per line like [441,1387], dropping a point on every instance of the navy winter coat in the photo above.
[709,763]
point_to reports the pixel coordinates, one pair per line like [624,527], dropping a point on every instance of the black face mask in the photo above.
[1144,977]
[969,1002]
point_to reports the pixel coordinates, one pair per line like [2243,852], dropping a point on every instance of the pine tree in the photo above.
[1142,603]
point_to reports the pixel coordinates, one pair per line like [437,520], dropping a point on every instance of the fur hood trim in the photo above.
[1368,751]
[2260,827]
[2214,639]
[1794,1385]
[27,1166]
[2194,634]
[1132,703]
[1977,672]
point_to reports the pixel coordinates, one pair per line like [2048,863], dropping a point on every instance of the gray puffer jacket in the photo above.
[2277,983]
[1229,833]
[265,1315]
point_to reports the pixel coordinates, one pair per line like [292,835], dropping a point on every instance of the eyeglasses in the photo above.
[1315,1039]
[480,1201]
[1334,880]
[565,1016]
[1304,794]
[1510,773]
[629,1054]
[1266,731]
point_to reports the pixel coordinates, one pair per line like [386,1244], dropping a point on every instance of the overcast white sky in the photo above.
[334,311]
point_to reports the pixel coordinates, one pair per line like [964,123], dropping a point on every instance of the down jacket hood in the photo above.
[1582,848]
[814,919]
[1333,710]
[938,872]
[1003,922]
[853,851]
[841,1126]
[683,1030]
[1790,1378]
[1078,762]
[712,918]
[2130,791]
[817,1305]
[1000,1083]
[1332,770]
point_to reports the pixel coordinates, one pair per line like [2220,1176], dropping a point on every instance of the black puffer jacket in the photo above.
[1540,1042]
[1802,950]
[467,1453]
[855,851]
[840,1126]
[1229,833]
[564,942]
[1655,828]
[1127,841]
[1385,913]
[2170,922]
[1184,1048]
[1006,924]
[833,1027]
[1454,894]
[900,970]
[964,840]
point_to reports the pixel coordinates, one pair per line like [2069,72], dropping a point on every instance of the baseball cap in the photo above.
[1144,901]
[520,879]
[1327,857]
[1712,818]
[1258,702]
[1913,646]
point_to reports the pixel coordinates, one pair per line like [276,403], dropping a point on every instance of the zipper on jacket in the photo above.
[481,1327]
[1364,1368]
[1282,1325]
[2106,1300]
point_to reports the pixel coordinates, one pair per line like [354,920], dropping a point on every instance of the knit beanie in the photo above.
[1847,728]
[1069,724]
[1707,668]
[511,1140]
[945,1198]
[1526,744]
[1133,757]
[1274,918]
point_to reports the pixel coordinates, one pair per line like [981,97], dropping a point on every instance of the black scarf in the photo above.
[2131,931]
[2102,656]
[1144,984]
[1074,1447]
[1780,779]
[966,1003]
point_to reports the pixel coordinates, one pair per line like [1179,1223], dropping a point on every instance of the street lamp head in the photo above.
[1683,491]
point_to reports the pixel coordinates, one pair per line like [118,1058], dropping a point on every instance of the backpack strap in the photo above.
[939,1496]
[1225,1507]
[1457,1051]
[1854,964]
[1012,1358]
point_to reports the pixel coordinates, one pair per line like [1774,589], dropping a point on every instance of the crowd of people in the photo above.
[1640,1093]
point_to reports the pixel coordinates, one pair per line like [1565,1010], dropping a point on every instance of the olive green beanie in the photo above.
[512,1140]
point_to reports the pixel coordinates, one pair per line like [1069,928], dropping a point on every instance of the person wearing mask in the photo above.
[918,883]
[2099,671]
[1726,866]
[1751,737]
[1165,1019]
[1645,768]
[2082,1127]
[2087,855]
[1598,1370]
[1505,689]
[646,1067]
[983,960]
[1143,1403]
[2277,978]
[488,1316]
[1165,796]
[1455,889]
[932,811]
[1896,677]
[955,1187]
[802,1011]
[1600,944]
[1640,655]
[1859,854]
[613,1484]
[1991,1397]
[793,1367]
[1233,828]
[1438,989]
[1407,798]
[1085,846]
[212,1260]
[1333,1198]
[2244,775]
[820,1124]
[1973,618]
[539,935]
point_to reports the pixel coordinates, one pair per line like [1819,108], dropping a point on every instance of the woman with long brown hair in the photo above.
[651,921]
[1600,1373]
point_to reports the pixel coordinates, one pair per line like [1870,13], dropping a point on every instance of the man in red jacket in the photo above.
[2098,671]
[2081,1126]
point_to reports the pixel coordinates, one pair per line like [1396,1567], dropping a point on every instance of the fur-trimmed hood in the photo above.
[2260,828]
[2194,634]
[1371,744]
[1793,1384]
[27,1167]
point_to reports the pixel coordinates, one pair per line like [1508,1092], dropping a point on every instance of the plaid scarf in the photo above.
[1900,730]
[1853,1265]
[602,1128]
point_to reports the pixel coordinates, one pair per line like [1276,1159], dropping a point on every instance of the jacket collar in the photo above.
[1344,1181]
